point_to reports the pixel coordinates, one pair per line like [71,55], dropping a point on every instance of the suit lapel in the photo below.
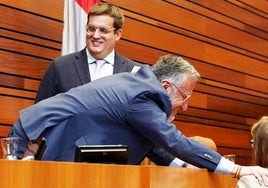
[81,66]
[121,64]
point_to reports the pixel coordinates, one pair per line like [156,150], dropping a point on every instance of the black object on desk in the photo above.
[108,154]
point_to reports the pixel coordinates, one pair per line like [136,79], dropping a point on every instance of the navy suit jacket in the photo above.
[72,70]
[125,108]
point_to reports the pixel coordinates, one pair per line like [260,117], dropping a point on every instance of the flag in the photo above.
[74,26]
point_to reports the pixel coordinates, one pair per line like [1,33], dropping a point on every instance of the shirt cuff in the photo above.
[178,163]
[135,69]
[225,166]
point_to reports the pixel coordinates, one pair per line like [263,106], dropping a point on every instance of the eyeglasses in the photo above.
[101,30]
[183,94]
[251,142]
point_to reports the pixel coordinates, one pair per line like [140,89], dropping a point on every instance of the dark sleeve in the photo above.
[160,157]
[17,131]
[148,118]
[48,85]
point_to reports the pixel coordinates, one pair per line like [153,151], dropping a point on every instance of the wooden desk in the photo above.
[38,174]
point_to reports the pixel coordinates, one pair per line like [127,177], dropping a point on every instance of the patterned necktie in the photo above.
[97,72]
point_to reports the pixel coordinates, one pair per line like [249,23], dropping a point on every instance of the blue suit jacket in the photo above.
[125,108]
[72,70]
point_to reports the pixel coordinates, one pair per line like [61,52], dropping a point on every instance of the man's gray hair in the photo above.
[174,68]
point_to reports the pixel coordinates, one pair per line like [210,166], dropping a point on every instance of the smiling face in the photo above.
[179,96]
[100,44]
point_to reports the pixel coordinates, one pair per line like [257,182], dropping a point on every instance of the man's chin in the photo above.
[97,53]
[172,115]
[96,50]
[171,118]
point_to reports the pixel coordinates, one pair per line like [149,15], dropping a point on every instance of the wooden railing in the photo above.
[38,174]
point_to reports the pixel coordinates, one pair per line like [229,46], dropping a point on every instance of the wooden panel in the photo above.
[18,82]
[46,8]
[31,24]
[247,153]
[69,175]
[205,24]
[18,93]
[23,65]
[243,156]
[222,90]
[259,8]
[182,31]
[216,133]
[10,107]
[146,54]
[234,81]
[207,86]
[240,14]
[211,74]
[31,39]
[235,107]
[214,119]
[199,50]
[29,49]
[4,130]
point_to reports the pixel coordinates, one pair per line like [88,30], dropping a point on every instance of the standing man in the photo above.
[104,29]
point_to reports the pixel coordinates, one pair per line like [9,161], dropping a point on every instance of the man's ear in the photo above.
[118,34]
[166,84]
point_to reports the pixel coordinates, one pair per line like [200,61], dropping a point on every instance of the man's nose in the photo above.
[96,33]
[184,106]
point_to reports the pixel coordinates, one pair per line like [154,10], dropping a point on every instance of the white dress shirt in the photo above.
[108,67]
